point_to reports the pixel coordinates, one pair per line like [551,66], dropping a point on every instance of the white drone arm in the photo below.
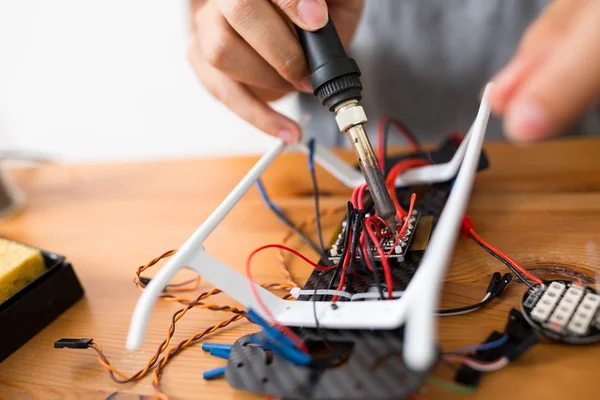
[416,307]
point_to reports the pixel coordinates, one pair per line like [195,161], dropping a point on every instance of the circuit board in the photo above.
[564,311]
[398,247]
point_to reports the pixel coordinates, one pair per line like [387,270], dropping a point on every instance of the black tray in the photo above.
[32,308]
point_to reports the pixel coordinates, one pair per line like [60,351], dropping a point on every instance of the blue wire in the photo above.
[311,154]
[284,218]
[484,346]
[286,352]
[272,332]
[263,194]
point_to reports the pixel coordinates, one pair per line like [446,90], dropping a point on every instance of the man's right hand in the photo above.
[246,53]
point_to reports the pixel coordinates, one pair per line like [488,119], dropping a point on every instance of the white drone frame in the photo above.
[416,307]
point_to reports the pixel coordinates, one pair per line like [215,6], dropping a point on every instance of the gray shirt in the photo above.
[425,62]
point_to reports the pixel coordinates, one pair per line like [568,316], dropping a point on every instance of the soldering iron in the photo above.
[335,79]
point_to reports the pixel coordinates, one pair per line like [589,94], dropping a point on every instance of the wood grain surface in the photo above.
[540,204]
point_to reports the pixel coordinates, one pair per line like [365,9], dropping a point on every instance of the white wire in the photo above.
[495,366]
[487,296]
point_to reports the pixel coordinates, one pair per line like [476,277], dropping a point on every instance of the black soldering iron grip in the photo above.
[335,77]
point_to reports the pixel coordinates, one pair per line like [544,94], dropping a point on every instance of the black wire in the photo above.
[368,245]
[467,308]
[507,263]
[349,216]
[317,325]
[313,177]
[357,224]
[386,132]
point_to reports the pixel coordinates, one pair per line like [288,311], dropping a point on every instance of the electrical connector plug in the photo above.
[145,280]
[69,343]
[494,282]
[502,284]
[466,226]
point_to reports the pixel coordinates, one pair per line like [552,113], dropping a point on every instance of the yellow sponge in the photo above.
[19,265]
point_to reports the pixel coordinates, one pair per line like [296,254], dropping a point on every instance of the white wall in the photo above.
[96,80]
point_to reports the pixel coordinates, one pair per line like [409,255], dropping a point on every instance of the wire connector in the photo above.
[496,277]
[500,286]
[466,226]
[69,343]
[145,280]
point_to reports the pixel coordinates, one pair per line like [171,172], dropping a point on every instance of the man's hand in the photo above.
[246,53]
[555,75]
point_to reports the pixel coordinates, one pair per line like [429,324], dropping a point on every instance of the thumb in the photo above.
[309,15]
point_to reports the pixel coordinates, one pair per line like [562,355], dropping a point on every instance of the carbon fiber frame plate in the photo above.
[374,368]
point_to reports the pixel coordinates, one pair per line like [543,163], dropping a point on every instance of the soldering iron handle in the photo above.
[334,75]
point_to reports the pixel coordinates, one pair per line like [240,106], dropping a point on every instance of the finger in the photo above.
[265,95]
[241,101]
[563,86]
[261,25]
[226,51]
[541,38]
[515,74]
[307,14]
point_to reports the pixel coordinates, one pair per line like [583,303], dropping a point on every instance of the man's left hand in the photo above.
[554,77]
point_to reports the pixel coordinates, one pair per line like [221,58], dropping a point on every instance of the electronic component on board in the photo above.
[400,247]
[564,311]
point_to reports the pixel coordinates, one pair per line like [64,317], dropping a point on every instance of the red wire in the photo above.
[384,261]
[402,230]
[361,195]
[344,268]
[262,304]
[505,256]
[391,180]
[413,199]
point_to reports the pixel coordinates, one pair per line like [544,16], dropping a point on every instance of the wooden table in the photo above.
[540,204]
